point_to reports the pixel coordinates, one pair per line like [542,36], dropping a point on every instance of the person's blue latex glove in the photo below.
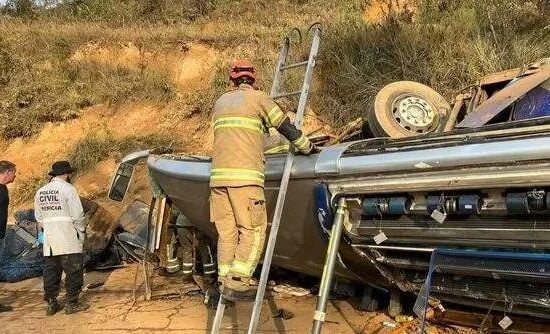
[40,237]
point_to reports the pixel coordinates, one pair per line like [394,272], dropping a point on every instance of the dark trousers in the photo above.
[54,266]
[187,237]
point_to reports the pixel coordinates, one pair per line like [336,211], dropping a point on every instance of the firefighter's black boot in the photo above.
[239,289]
[75,306]
[53,306]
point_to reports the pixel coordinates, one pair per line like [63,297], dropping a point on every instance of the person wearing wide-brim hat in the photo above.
[60,168]
[58,209]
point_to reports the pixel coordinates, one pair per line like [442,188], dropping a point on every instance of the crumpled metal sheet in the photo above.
[134,219]
[14,266]
[155,187]
[22,258]
[131,239]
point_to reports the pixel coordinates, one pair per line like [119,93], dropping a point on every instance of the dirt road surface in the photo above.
[113,311]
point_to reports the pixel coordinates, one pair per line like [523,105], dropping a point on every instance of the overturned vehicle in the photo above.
[479,187]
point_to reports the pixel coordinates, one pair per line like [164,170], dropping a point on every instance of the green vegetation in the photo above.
[41,80]
[166,11]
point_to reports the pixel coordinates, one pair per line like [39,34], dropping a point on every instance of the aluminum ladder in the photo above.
[280,69]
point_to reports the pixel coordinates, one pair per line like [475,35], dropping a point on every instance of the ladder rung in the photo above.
[298,92]
[274,229]
[303,63]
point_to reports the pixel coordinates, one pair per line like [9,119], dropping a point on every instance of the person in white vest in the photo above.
[59,212]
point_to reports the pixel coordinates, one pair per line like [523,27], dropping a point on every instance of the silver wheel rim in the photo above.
[414,114]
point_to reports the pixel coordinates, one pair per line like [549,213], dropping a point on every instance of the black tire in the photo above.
[423,108]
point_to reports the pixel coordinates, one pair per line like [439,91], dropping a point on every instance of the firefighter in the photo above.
[193,245]
[59,212]
[188,235]
[241,117]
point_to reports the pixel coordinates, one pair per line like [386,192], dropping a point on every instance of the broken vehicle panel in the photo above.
[504,98]
[106,245]
[535,103]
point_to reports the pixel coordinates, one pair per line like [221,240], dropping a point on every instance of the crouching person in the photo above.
[59,212]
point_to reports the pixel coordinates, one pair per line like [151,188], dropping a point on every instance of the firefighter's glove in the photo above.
[311,150]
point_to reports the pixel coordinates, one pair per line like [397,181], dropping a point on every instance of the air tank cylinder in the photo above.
[526,202]
[469,205]
[376,206]
[461,204]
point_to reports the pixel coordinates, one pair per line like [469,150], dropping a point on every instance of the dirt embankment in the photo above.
[377,10]
[191,67]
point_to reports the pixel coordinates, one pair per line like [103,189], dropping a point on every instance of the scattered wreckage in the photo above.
[472,179]
[108,243]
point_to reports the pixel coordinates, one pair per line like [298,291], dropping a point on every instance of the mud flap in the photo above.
[323,210]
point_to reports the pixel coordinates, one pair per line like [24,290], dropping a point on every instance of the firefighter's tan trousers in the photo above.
[241,220]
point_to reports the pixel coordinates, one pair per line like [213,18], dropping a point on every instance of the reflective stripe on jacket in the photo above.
[241,118]
[58,209]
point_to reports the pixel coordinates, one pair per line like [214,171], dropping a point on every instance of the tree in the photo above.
[20,8]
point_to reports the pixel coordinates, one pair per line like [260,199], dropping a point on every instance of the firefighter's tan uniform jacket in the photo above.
[241,118]
[59,212]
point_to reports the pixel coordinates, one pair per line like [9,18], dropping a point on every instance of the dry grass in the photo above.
[27,188]
[445,49]
[87,152]
[467,39]
[40,82]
